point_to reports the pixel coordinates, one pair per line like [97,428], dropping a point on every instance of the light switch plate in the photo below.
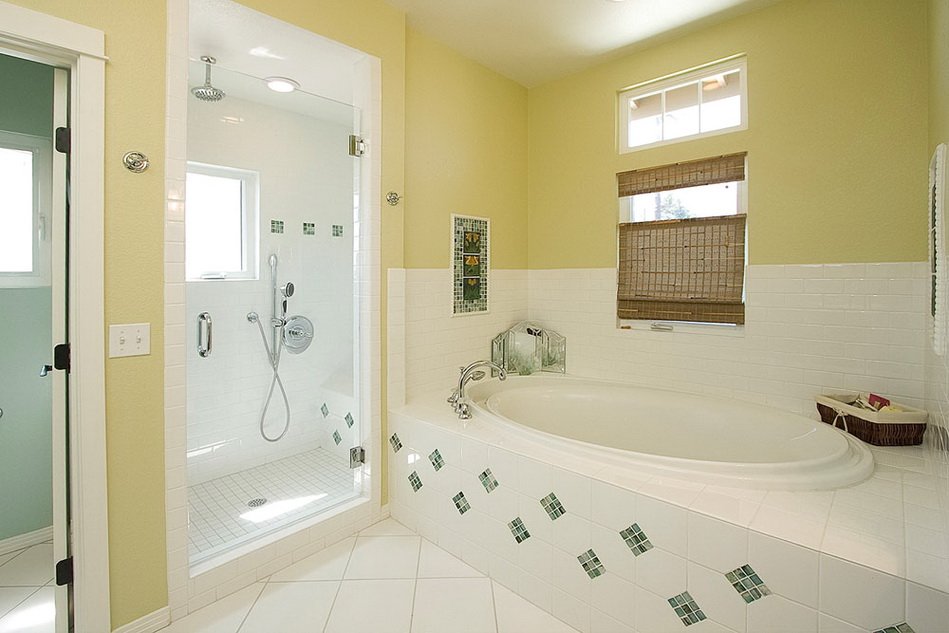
[130,339]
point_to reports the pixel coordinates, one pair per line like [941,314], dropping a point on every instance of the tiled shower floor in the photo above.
[295,487]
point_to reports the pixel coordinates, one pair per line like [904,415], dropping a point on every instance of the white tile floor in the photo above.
[26,590]
[384,580]
[219,517]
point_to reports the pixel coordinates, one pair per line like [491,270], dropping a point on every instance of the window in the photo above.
[710,100]
[220,223]
[682,242]
[25,180]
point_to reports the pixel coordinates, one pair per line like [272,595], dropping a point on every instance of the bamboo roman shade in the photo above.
[705,171]
[682,270]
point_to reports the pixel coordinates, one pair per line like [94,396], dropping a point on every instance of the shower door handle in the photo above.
[204,335]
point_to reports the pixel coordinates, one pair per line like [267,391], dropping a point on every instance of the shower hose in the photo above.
[275,381]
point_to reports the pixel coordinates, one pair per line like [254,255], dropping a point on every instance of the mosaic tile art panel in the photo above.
[470,250]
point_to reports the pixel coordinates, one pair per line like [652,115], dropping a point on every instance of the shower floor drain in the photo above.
[256,503]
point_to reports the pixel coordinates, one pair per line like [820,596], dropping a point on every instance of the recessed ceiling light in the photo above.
[281,84]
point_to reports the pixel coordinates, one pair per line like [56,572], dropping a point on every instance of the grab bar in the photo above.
[204,333]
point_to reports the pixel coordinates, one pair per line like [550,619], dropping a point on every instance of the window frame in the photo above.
[250,221]
[42,150]
[677,80]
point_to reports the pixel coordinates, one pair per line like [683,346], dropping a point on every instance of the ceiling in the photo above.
[536,41]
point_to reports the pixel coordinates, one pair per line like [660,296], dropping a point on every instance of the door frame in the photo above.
[80,49]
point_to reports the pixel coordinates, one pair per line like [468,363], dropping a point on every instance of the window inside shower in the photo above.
[272,363]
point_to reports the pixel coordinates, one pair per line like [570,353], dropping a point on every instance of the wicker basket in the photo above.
[885,428]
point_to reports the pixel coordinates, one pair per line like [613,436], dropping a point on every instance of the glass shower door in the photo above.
[272,365]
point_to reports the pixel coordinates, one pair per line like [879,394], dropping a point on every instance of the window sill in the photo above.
[671,327]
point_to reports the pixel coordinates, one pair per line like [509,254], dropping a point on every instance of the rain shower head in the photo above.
[207,92]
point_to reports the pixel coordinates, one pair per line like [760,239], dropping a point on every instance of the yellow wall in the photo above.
[938,72]
[836,141]
[466,153]
[134,230]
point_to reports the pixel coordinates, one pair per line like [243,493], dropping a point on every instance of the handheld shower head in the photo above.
[207,92]
[252,317]
[287,289]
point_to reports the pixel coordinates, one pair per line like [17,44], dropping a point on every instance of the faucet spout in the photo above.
[468,374]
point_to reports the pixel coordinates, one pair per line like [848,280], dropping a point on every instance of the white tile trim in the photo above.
[154,621]
[21,541]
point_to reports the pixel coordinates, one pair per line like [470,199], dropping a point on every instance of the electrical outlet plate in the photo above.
[130,339]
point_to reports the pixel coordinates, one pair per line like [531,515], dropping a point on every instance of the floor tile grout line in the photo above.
[254,604]
[494,605]
[418,564]
[339,586]
[19,604]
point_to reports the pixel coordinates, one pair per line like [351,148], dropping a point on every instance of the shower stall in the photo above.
[272,356]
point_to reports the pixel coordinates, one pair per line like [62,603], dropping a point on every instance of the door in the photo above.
[33,283]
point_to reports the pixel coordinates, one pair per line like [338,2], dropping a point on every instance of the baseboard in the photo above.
[35,537]
[150,623]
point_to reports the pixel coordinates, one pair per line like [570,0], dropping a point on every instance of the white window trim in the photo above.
[42,150]
[250,220]
[647,88]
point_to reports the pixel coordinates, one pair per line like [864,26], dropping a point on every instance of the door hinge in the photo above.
[62,357]
[62,140]
[357,146]
[64,572]
[357,456]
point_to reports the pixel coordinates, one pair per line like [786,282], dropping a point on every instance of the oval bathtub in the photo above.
[728,442]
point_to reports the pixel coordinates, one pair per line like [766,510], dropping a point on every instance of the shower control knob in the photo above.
[44,372]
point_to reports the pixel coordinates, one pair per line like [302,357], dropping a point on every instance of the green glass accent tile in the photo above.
[747,583]
[276,226]
[488,480]
[896,628]
[337,437]
[636,540]
[552,506]
[686,608]
[415,481]
[395,442]
[309,228]
[591,564]
[349,420]
[519,530]
[461,502]
[437,461]
[325,410]
[337,230]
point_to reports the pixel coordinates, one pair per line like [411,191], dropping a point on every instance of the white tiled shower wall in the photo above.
[228,388]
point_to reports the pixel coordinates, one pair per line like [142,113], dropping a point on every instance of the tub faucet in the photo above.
[469,373]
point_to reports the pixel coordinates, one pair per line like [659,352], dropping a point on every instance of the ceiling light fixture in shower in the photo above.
[281,84]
